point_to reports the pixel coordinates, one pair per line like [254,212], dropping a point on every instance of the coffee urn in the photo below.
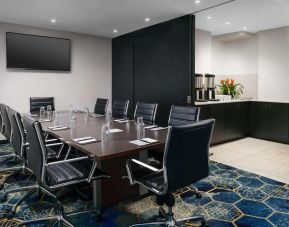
[210,87]
[199,88]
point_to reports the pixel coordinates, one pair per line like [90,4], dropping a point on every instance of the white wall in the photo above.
[90,75]
[235,59]
[273,57]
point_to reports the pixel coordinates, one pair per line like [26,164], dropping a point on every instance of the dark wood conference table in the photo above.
[111,155]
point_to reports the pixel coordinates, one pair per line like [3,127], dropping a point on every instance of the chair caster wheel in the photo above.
[204,224]
[198,195]
[3,198]
[10,214]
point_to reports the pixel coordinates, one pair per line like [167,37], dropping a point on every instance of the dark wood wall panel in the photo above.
[161,64]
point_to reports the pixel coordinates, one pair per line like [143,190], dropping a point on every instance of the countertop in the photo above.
[239,100]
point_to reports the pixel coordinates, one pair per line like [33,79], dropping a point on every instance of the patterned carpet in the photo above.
[231,197]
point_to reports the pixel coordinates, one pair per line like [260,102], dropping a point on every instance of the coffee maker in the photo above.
[210,87]
[199,88]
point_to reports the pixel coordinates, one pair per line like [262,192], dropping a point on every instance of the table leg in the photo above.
[143,157]
[97,205]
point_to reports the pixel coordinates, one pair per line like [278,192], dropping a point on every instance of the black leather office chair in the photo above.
[147,111]
[55,175]
[20,155]
[101,106]
[6,123]
[186,161]
[1,121]
[119,109]
[37,102]
[182,115]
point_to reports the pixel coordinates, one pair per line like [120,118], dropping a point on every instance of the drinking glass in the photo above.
[42,113]
[139,120]
[108,120]
[104,132]
[70,108]
[73,122]
[48,112]
[140,131]
[55,118]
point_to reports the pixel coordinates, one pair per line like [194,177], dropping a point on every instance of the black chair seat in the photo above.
[65,172]
[150,179]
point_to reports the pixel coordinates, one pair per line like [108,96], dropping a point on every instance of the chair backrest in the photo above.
[147,111]
[36,157]
[18,134]
[119,108]
[101,106]
[182,115]
[186,157]
[37,102]
[6,122]
[1,121]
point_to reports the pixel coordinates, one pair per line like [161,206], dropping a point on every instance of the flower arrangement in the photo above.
[228,87]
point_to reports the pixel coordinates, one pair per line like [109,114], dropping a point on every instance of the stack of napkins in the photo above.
[85,140]
[143,142]
[114,130]
[58,128]
[96,115]
[32,115]
[121,120]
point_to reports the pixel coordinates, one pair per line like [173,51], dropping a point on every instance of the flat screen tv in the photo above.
[37,52]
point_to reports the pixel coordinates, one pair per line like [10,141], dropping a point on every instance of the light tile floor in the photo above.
[257,156]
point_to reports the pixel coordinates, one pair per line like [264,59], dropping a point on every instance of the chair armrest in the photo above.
[129,172]
[51,140]
[53,144]
[67,161]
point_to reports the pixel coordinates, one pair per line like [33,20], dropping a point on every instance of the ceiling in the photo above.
[244,15]
[97,17]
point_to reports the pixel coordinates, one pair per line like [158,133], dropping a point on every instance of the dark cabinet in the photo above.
[269,121]
[231,120]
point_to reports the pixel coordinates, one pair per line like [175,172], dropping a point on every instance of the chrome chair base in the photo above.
[170,221]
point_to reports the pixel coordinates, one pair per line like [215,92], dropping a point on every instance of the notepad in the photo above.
[82,138]
[150,126]
[33,115]
[138,142]
[158,128]
[45,120]
[82,142]
[121,120]
[114,130]
[149,140]
[58,128]
[96,115]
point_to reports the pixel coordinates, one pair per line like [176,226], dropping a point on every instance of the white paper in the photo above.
[121,121]
[149,140]
[87,141]
[58,129]
[44,120]
[158,128]
[83,138]
[113,130]
[96,115]
[151,126]
[138,142]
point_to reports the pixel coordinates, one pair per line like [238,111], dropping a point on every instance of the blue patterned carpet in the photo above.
[231,197]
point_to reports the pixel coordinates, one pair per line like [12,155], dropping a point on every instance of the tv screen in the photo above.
[37,52]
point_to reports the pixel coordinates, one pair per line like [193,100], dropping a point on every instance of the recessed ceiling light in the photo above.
[197,2]
[115,31]
[244,28]
[227,23]
[209,17]
[53,21]
[147,19]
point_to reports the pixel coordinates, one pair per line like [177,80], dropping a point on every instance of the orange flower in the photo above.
[227,81]
[232,82]
[222,82]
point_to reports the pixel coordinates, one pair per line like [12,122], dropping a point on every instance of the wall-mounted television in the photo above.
[34,52]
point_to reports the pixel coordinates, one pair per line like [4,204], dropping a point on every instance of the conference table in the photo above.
[111,155]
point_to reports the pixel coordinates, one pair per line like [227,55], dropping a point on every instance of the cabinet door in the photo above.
[219,134]
[259,120]
[278,122]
